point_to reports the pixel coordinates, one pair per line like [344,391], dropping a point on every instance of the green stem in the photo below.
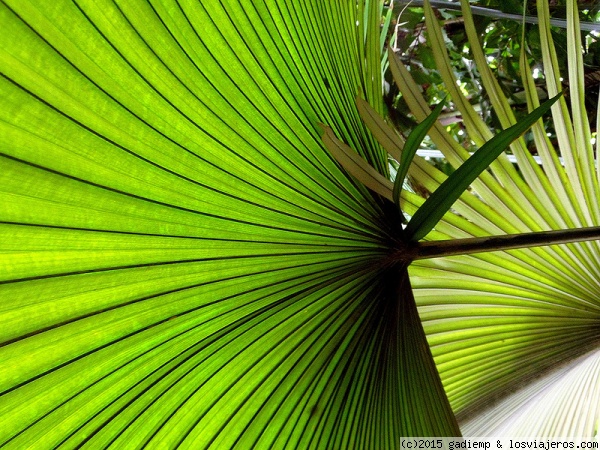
[436,249]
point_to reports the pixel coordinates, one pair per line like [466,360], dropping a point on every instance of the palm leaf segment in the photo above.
[495,320]
[183,263]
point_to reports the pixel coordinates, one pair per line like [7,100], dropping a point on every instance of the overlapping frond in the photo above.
[495,320]
[560,404]
[182,262]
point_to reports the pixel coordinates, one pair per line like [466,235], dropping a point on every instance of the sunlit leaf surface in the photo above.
[497,321]
[183,263]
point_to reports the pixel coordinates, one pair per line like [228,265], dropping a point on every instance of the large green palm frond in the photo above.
[497,320]
[183,263]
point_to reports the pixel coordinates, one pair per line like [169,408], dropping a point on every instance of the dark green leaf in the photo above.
[411,146]
[434,208]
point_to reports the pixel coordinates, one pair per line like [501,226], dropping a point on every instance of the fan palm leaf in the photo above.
[497,320]
[183,263]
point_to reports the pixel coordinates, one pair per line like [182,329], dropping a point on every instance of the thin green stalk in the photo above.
[436,249]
